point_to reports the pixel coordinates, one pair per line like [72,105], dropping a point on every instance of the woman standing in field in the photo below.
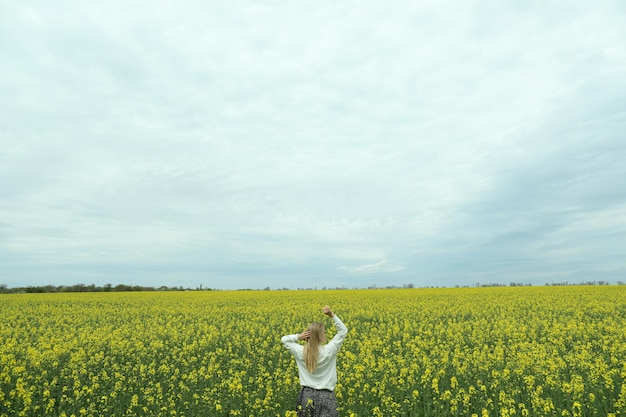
[317,367]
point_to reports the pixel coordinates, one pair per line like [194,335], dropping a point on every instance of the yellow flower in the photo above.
[502,351]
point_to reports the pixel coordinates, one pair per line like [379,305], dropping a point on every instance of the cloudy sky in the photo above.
[312,144]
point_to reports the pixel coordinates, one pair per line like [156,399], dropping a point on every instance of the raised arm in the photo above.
[342,330]
[290,341]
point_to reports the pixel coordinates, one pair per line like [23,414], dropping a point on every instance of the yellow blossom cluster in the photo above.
[522,351]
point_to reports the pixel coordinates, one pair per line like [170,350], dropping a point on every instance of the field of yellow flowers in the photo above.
[515,351]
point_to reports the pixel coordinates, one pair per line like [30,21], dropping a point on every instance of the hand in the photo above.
[326,310]
[304,335]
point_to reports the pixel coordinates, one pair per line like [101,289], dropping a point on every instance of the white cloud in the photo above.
[297,139]
[380,267]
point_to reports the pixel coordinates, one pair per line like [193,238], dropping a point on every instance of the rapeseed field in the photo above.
[515,351]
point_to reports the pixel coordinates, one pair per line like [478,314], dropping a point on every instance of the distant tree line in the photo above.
[126,288]
[87,288]
[583,283]
[549,284]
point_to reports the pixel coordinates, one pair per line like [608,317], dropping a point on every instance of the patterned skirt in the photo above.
[316,403]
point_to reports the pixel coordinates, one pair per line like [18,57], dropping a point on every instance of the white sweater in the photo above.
[325,374]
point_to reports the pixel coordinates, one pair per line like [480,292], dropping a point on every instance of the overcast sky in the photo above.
[310,144]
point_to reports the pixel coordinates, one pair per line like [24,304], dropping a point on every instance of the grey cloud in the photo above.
[266,140]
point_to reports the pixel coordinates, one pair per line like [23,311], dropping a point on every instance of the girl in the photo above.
[317,367]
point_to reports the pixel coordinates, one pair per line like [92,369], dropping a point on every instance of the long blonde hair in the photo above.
[312,347]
